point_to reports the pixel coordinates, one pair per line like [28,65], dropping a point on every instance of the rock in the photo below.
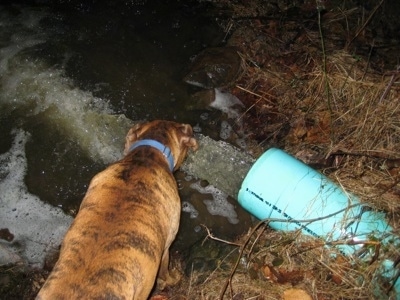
[214,67]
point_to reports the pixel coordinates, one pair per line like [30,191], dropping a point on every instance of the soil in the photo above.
[321,81]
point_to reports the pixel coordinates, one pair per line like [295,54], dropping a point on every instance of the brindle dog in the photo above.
[119,242]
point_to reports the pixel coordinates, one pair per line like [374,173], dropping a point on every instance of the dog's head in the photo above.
[178,137]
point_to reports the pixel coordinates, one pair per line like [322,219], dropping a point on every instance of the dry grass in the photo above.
[273,262]
[345,118]
[306,92]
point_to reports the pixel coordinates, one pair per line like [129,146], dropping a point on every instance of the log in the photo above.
[221,164]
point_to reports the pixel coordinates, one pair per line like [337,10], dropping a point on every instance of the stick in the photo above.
[366,23]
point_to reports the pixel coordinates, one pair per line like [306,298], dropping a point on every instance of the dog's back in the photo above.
[126,223]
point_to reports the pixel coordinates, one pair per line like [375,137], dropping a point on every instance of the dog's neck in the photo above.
[166,151]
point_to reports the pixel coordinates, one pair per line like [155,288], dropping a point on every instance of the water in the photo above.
[35,227]
[72,76]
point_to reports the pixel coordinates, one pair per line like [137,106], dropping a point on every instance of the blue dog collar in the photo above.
[162,148]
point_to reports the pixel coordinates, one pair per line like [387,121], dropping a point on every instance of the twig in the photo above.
[242,248]
[366,23]
[368,61]
[266,222]
[367,153]
[260,97]
[255,94]
[325,73]
[340,243]
[190,282]
[396,277]
[335,272]
[391,186]
[215,270]
[228,30]
[390,84]
[255,241]
[211,236]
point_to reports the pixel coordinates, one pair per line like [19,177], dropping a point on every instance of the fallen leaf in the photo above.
[296,294]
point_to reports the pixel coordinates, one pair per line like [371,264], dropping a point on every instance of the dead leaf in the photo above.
[296,294]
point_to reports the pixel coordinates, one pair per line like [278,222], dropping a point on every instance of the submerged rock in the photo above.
[214,67]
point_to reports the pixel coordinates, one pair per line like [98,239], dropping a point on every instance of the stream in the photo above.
[71,72]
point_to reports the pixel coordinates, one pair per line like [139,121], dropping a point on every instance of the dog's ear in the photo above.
[131,137]
[187,138]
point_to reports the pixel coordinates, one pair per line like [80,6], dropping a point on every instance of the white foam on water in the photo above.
[219,205]
[38,228]
[189,208]
[85,118]
[225,131]
[241,142]
[41,92]
[32,85]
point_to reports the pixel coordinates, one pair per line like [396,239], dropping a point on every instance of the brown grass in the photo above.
[332,108]
[310,92]
[273,262]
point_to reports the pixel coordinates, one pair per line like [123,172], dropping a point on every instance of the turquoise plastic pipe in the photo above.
[281,187]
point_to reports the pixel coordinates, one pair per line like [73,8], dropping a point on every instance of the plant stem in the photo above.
[325,74]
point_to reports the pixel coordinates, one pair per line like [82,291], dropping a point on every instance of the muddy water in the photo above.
[71,77]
